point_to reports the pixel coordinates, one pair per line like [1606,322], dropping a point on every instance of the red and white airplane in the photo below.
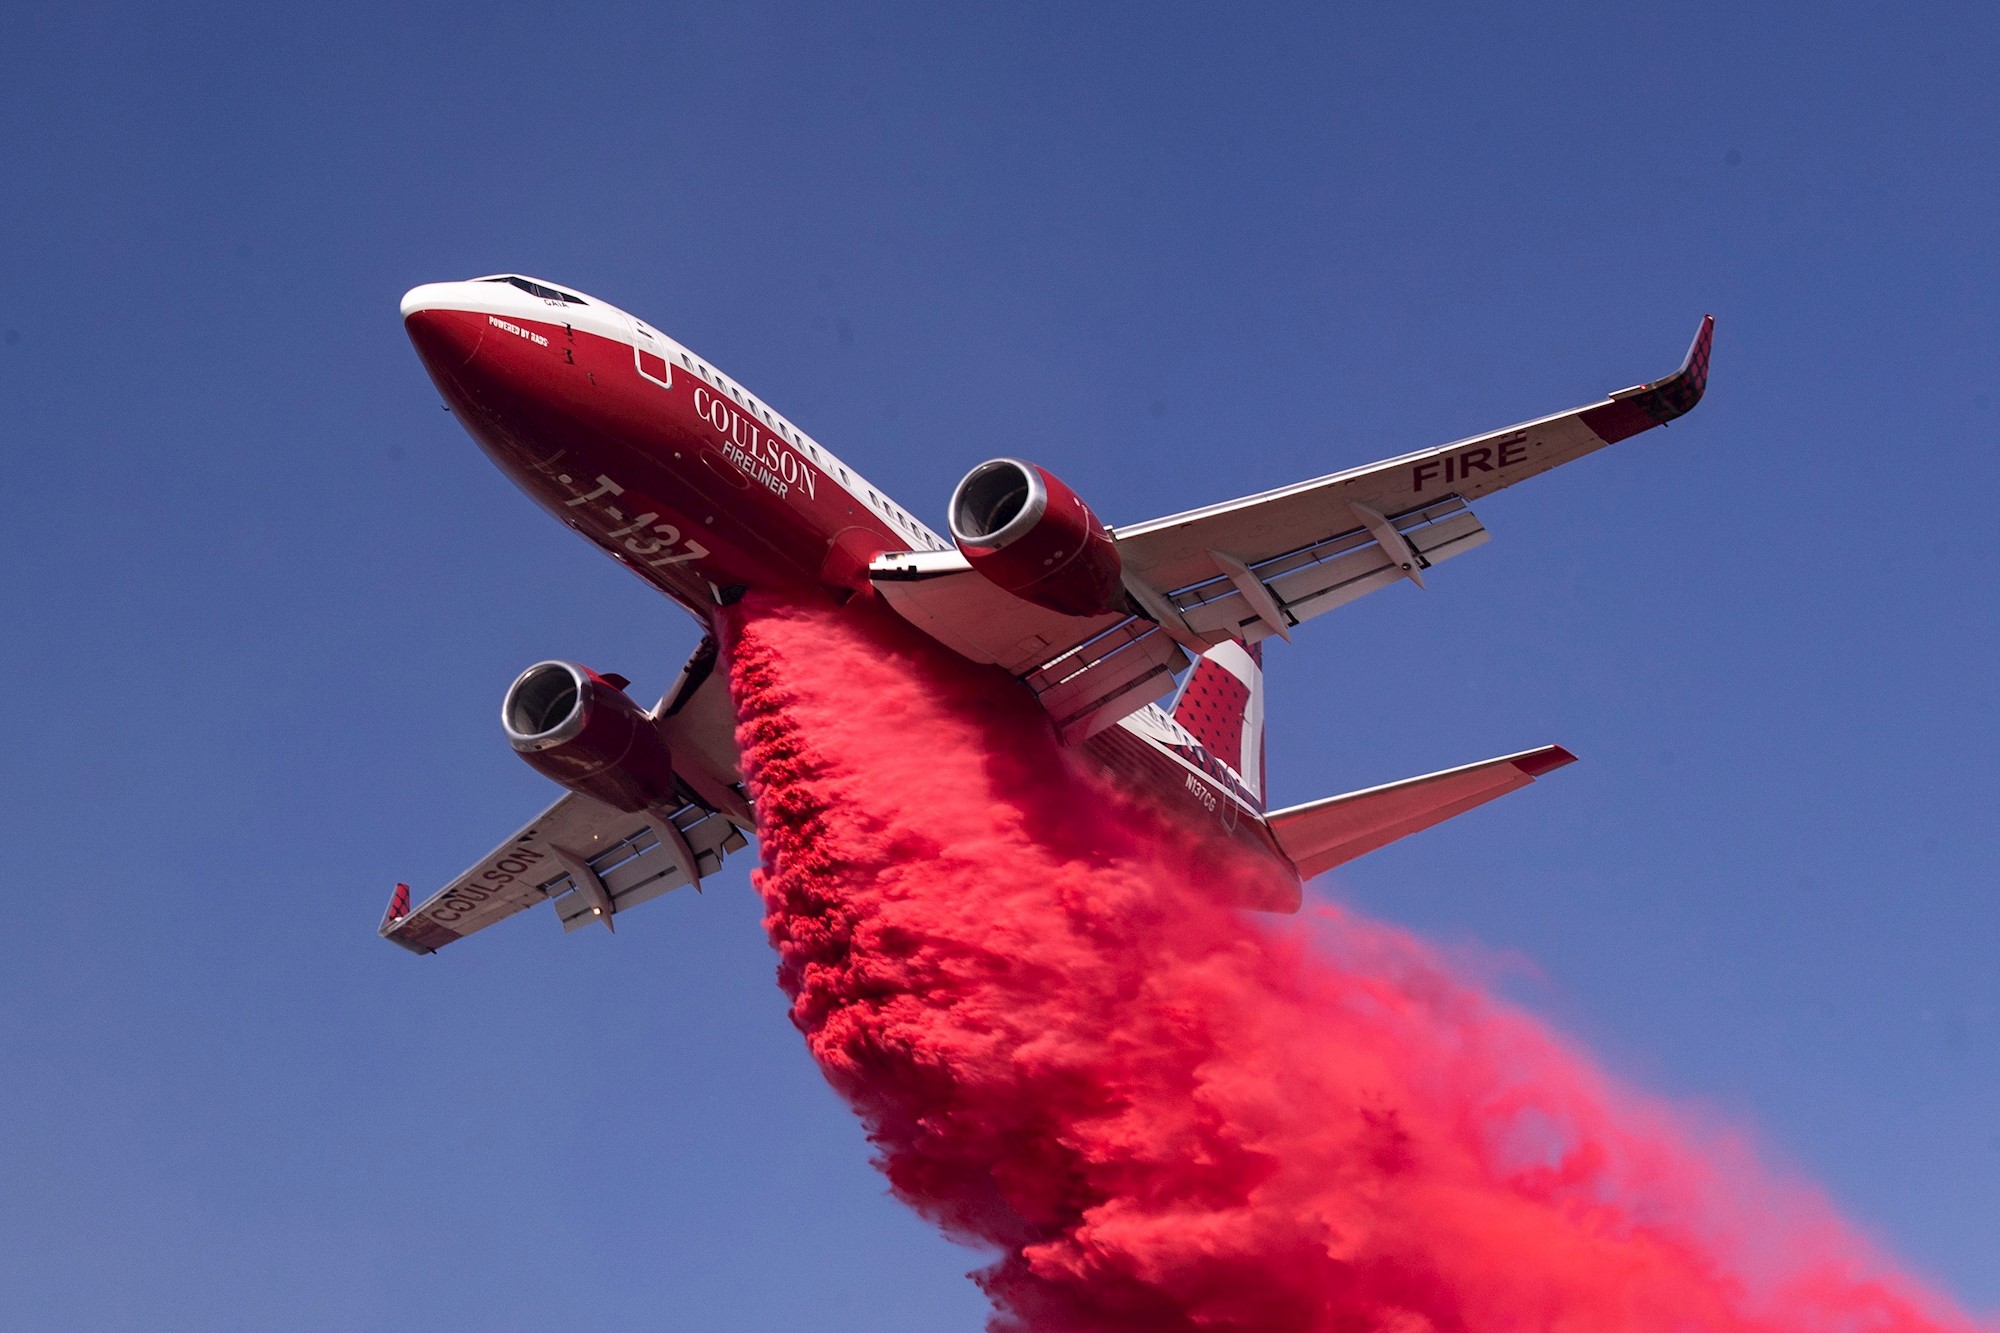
[705,491]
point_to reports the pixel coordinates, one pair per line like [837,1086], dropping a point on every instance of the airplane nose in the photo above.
[445,338]
[428,296]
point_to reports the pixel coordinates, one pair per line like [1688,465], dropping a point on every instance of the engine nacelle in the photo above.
[1030,534]
[582,730]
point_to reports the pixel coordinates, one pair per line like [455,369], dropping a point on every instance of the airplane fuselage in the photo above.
[702,489]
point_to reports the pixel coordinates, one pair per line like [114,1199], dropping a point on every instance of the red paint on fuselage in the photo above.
[683,483]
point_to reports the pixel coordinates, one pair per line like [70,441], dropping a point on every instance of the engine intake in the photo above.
[582,730]
[1022,528]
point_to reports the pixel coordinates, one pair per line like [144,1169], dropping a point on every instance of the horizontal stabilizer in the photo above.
[1320,835]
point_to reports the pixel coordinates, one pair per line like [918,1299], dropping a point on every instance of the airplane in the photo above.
[706,491]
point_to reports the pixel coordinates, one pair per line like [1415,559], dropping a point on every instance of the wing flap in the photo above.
[1323,834]
[1327,574]
[641,866]
[1117,673]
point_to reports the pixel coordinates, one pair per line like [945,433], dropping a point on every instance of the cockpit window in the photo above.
[536,289]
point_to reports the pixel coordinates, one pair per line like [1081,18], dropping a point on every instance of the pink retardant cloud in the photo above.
[1163,1114]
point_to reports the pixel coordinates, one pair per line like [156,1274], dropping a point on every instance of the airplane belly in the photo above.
[1232,847]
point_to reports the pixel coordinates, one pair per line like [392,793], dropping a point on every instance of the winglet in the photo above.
[399,907]
[1548,759]
[1644,406]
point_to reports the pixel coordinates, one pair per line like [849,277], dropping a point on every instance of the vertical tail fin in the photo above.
[1222,705]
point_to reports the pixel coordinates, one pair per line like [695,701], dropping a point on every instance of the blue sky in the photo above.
[264,596]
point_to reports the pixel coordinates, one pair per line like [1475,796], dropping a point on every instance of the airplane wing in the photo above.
[1178,552]
[590,860]
[593,861]
[1261,565]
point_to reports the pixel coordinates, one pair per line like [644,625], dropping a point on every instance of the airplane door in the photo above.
[649,352]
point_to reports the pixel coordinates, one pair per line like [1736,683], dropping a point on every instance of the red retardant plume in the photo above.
[1165,1115]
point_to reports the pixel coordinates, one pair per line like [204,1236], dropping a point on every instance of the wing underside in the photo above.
[590,860]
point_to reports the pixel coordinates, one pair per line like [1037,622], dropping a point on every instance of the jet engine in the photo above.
[1030,534]
[582,730]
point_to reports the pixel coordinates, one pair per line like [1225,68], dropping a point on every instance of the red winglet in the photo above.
[399,907]
[1545,760]
[1644,406]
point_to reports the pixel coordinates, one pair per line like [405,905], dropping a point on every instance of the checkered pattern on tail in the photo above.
[1222,706]
[399,906]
